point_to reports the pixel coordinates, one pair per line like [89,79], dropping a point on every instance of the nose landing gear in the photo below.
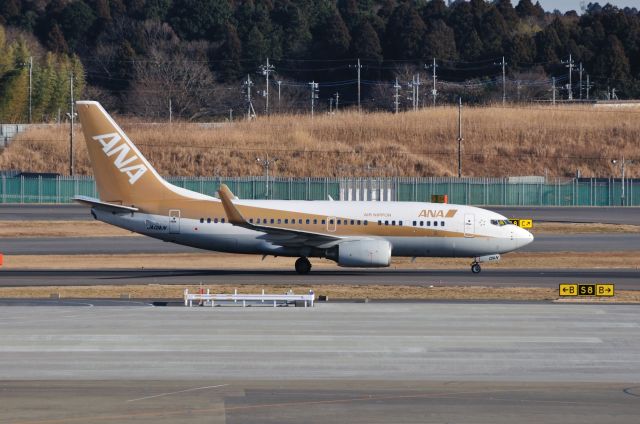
[475,268]
[303,266]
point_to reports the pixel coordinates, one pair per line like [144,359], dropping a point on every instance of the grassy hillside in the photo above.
[497,142]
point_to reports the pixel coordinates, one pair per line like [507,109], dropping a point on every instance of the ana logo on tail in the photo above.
[111,145]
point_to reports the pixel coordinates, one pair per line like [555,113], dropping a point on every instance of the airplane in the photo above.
[359,234]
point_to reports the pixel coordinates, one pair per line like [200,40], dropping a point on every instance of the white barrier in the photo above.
[274,299]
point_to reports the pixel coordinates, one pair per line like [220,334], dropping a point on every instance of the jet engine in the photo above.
[362,253]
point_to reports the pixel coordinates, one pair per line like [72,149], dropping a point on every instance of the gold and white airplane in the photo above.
[353,234]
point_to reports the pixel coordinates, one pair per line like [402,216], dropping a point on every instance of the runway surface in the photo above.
[591,242]
[335,363]
[625,279]
[610,215]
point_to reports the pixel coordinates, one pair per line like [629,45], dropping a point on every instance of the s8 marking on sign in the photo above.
[599,290]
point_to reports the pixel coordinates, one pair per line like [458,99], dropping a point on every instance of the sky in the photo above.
[564,5]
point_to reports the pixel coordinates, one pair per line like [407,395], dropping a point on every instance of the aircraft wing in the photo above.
[105,205]
[280,236]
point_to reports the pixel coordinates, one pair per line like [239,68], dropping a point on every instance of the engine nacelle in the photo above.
[362,253]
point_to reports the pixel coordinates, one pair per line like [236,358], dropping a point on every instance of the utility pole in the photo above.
[553,89]
[580,69]
[418,90]
[279,83]
[412,84]
[569,64]
[314,94]
[359,68]
[230,115]
[170,112]
[504,81]
[397,96]
[250,111]
[330,105]
[72,116]
[460,139]
[434,91]
[266,70]
[30,84]
[337,101]
[588,86]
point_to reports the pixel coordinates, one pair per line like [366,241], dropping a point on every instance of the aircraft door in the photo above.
[174,221]
[469,225]
[331,224]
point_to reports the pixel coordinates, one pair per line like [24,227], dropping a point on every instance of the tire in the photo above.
[475,268]
[303,266]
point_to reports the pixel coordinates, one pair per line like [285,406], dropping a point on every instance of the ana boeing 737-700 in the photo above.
[132,195]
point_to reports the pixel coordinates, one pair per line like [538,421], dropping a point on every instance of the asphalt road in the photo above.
[610,215]
[335,363]
[596,242]
[625,279]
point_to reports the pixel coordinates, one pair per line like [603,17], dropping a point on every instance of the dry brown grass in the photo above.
[498,142]
[60,229]
[333,292]
[216,261]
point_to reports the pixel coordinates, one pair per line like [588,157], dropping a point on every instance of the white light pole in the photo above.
[266,163]
[622,164]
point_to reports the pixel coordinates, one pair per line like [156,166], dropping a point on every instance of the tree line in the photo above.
[140,55]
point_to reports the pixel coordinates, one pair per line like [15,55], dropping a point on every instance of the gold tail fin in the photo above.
[122,174]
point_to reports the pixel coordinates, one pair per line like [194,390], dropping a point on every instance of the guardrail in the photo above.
[208,299]
[469,191]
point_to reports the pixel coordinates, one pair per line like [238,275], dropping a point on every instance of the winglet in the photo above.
[233,214]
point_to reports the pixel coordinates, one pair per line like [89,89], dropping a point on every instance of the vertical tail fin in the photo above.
[122,173]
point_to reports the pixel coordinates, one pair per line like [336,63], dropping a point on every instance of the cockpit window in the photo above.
[500,222]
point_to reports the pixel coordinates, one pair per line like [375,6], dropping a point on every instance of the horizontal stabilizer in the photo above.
[97,202]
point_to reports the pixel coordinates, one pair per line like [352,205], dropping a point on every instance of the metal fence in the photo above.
[471,191]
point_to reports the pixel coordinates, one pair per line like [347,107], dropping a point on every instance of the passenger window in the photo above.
[393,222]
[215,220]
[415,224]
[279,221]
[428,223]
[442,223]
[352,222]
[315,222]
[308,221]
[400,223]
[359,222]
[272,220]
[386,222]
[300,221]
[222,220]
[379,222]
[286,221]
[435,223]
[323,222]
[202,220]
[208,220]
[331,221]
[422,223]
[366,222]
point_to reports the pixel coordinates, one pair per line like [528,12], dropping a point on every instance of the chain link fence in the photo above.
[467,191]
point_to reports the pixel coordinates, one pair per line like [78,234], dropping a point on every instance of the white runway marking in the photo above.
[179,391]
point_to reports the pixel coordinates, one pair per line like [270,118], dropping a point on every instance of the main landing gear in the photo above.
[475,268]
[303,266]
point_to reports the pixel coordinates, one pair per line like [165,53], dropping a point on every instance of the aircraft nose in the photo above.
[523,237]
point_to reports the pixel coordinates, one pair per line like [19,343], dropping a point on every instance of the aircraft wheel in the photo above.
[303,266]
[475,268]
